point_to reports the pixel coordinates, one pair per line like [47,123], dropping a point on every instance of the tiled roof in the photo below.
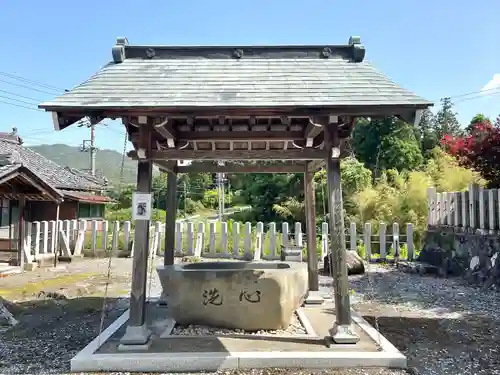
[55,175]
[9,168]
[86,197]
[6,169]
[272,76]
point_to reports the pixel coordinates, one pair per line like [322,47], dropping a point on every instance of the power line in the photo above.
[27,87]
[21,96]
[477,96]
[15,100]
[473,93]
[33,82]
[21,106]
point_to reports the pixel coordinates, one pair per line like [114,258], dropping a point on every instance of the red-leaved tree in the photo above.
[479,150]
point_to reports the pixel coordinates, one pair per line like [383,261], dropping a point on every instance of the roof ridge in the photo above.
[353,50]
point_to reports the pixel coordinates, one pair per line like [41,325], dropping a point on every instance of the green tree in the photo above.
[386,143]
[355,178]
[446,120]
[122,195]
[262,191]
[159,190]
[425,134]
[477,119]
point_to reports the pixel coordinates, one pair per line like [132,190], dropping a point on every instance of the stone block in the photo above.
[31,266]
[238,295]
[355,265]
[291,254]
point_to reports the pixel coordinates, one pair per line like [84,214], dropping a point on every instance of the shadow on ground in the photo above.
[390,286]
[51,331]
[470,344]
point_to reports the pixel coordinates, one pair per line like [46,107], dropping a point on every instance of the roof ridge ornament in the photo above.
[358,50]
[238,53]
[150,53]
[118,50]
[327,52]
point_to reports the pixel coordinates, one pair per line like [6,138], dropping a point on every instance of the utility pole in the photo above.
[185,197]
[89,146]
[92,150]
[222,192]
[219,195]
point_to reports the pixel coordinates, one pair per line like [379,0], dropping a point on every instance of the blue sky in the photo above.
[434,48]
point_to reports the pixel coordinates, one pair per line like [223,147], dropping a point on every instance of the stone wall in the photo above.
[470,253]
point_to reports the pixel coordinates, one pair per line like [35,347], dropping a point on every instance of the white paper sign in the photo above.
[141,206]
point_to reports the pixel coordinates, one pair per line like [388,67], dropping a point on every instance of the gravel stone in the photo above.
[295,328]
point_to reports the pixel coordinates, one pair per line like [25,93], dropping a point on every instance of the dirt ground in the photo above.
[443,326]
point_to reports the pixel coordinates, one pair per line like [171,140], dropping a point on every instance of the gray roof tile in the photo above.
[8,168]
[211,76]
[53,174]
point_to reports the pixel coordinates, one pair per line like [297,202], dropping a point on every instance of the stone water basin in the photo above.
[251,296]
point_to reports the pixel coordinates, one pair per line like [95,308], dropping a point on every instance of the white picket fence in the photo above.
[220,239]
[476,208]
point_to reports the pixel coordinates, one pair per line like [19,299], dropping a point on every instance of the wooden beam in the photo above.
[312,131]
[22,174]
[240,136]
[289,154]
[245,168]
[166,166]
[167,132]
[164,131]
[212,111]
[345,130]
[51,196]
[315,165]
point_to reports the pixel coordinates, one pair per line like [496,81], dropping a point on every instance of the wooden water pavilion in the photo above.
[293,105]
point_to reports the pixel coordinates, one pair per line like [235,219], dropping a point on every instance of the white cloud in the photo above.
[494,83]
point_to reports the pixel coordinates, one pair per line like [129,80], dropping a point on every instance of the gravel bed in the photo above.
[442,325]
[295,328]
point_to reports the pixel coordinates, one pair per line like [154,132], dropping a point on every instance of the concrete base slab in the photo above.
[136,336]
[135,348]
[343,335]
[211,353]
[314,298]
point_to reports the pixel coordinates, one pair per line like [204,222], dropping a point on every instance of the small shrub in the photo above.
[192,206]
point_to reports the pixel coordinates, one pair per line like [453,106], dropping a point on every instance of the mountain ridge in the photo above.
[108,162]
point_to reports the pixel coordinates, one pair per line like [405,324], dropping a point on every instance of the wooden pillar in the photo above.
[310,211]
[137,333]
[168,256]
[20,240]
[56,241]
[342,331]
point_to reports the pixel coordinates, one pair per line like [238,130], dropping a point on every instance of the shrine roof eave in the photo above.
[65,116]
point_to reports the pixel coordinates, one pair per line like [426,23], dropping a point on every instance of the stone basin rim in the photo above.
[229,266]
